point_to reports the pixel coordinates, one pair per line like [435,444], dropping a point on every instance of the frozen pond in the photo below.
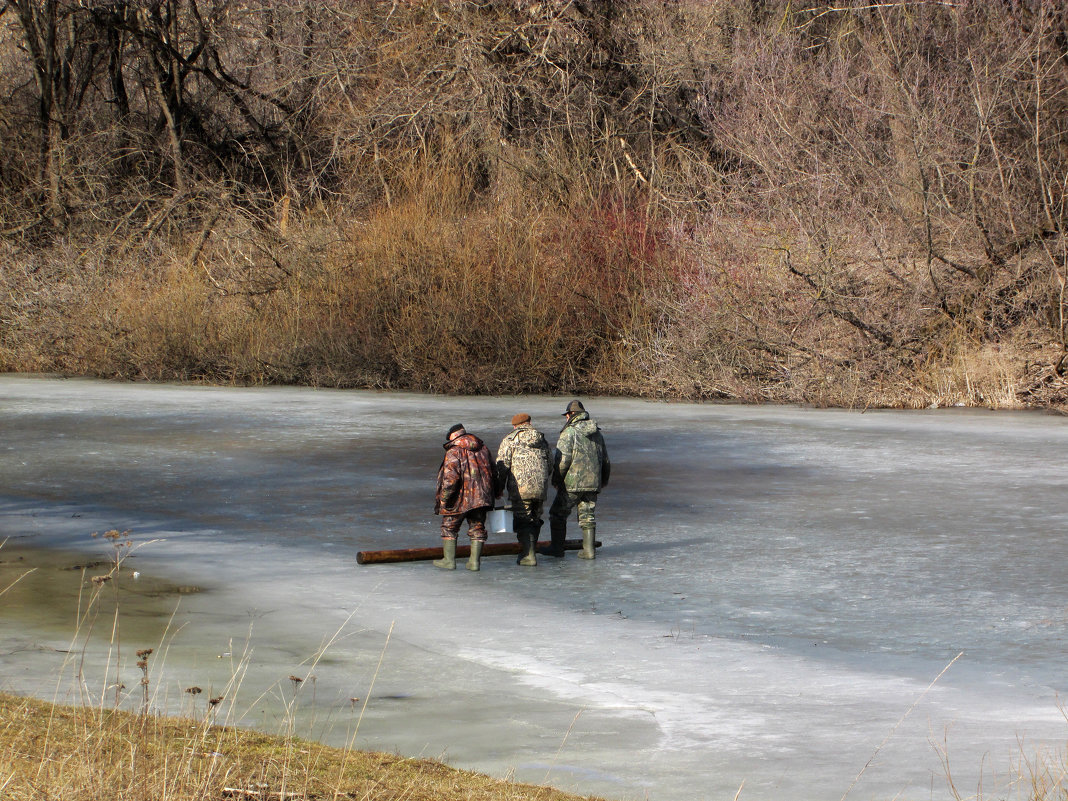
[777,592]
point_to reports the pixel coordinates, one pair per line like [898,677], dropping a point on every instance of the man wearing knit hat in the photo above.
[524,463]
[466,489]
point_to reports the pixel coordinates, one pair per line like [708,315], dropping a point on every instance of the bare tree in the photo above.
[52,35]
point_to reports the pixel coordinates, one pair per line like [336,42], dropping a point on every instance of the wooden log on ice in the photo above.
[489,549]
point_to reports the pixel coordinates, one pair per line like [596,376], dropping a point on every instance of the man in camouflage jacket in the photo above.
[524,464]
[466,489]
[580,471]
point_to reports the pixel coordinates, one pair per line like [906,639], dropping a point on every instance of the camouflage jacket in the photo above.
[581,460]
[524,464]
[465,478]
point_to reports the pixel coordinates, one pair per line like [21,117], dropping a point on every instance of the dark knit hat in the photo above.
[521,418]
[573,407]
[456,429]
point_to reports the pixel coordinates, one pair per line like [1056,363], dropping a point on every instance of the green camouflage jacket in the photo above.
[581,461]
[524,464]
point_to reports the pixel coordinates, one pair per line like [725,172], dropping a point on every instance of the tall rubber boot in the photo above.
[557,533]
[448,560]
[527,549]
[474,561]
[589,550]
[535,535]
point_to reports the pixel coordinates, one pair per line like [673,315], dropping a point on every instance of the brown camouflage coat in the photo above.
[524,464]
[465,478]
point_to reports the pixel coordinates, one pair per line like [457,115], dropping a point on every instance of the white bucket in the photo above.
[499,521]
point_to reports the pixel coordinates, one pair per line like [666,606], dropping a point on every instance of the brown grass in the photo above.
[85,754]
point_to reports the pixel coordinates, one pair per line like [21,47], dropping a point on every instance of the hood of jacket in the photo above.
[466,441]
[527,435]
[582,424]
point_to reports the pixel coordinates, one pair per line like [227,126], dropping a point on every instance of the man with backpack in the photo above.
[524,464]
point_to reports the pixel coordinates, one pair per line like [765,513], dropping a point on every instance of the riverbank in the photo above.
[704,201]
[76,753]
[121,741]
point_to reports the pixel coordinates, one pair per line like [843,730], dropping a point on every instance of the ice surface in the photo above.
[777,590]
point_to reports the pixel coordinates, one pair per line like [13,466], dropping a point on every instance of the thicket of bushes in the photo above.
[848,203]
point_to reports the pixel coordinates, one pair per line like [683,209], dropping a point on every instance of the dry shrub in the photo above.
[978,376]
[172,328]
[51,319]
[734,326]
[462,296]
[438,290]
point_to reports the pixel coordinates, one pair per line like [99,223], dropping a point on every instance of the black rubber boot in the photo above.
[474,561]
[527,548]
[589,550]
[448,560]
[558,533]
